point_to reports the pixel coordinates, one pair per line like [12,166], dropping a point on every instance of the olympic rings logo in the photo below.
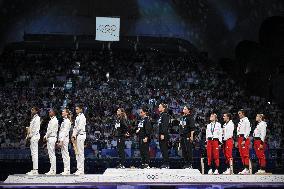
[152,177]
[107,29]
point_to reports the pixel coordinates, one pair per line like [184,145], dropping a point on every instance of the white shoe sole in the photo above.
[64,174]
[32,174]
[226,173]
[50,173]
[244,173]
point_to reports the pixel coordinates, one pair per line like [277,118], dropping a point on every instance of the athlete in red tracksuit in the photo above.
[213,137]
[259,134]
[228,141]
[243,132]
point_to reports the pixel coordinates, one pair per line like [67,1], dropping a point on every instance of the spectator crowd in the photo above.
[106,80]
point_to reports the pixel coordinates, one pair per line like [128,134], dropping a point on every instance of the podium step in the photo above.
[117,172]
[145,176]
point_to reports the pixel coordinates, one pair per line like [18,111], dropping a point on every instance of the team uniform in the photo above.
[144,131]
[259,137]
[120,134]
[243,132]
[64,139]
[79,133]
[34,138]
[186,126]
[163,124]
[228,143]
[213,138]
[51,137]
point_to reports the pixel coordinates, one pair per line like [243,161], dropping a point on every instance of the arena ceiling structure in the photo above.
[214,26]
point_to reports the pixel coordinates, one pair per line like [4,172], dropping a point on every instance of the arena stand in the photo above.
[36,74]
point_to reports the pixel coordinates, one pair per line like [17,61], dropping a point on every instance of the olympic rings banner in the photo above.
[107,29]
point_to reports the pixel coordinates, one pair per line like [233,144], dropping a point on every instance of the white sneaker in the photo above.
[227,172]
[241,172]
[32,172]
[260,171]
[210,172]
[50,173]
[79,173]
[65,173]
[216,172]
[244,172]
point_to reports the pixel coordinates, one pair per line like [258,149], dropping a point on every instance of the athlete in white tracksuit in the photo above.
[51,138]
[79,134]
[34,138]
[63,140]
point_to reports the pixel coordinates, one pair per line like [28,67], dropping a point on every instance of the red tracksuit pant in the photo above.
[244,150]
[213,151]
[260,153]
[228,150]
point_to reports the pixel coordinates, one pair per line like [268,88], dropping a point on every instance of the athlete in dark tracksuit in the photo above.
[144,133]
[121,133]
[163,124]
[186,131]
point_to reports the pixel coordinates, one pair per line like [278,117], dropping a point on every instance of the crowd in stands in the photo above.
[65,78]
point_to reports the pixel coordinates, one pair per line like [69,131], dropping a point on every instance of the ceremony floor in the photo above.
[146,178]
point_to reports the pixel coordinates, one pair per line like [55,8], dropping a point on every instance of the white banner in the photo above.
[107,29]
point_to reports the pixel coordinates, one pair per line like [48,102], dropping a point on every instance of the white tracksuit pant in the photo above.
[34,151]
[51,152]
[81,156]
[65,155]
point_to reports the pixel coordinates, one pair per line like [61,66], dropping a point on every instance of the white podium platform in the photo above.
[146,176]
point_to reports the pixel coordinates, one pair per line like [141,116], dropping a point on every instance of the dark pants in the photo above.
[186,147]
[164,149]
[120,147]
[144,151]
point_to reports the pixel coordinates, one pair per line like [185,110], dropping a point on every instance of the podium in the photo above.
[151,176]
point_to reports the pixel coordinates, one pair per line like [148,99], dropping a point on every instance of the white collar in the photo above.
[261,122]
[228,122]
[244,118]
